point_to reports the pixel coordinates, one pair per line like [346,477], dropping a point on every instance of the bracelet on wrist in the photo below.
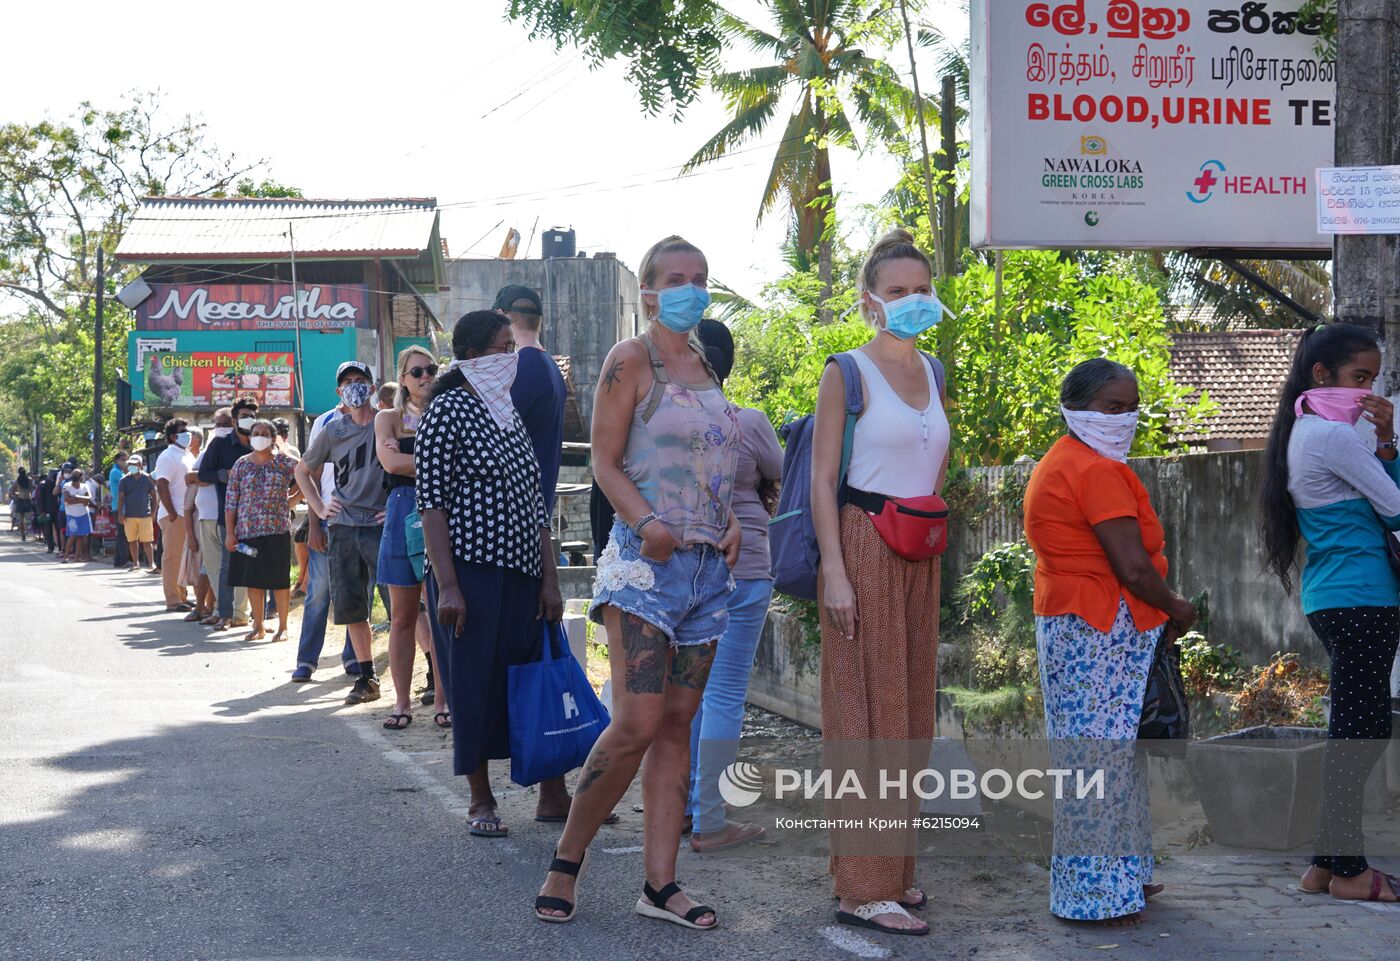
[643,521]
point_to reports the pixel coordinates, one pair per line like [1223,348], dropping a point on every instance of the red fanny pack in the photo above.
[915,528]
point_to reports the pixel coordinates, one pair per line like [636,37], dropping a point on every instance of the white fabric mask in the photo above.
[492,376]
[1110,435]
[261,443]
[222,431]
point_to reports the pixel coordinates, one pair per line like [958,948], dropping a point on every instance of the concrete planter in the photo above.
[1260,787]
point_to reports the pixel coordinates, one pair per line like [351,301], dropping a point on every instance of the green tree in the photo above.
[1008,354]
[669,45]
[816,46]
[67,189]
[1004,366]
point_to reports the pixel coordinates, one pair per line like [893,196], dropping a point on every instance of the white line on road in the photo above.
[854,943]
[634,849]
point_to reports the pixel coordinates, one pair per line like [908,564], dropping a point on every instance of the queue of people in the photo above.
[443,498]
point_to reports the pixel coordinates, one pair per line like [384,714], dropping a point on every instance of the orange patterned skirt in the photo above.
[882,685]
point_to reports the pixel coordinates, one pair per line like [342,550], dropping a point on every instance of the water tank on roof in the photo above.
[559,243]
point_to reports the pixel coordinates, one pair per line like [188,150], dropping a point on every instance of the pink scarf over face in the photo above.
[492,376]
[1333,403]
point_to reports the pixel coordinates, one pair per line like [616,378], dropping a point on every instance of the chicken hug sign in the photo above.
[215,378]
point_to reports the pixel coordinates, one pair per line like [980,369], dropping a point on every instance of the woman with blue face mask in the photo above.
[879,610]
[665,452]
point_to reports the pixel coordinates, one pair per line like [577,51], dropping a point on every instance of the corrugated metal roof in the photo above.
[191,228]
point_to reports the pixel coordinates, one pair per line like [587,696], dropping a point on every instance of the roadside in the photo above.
[169,794]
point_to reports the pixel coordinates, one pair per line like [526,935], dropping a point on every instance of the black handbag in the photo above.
[1165,714]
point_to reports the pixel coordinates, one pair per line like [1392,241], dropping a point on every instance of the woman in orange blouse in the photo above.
[1101,605]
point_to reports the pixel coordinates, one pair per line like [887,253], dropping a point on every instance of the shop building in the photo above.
[217,313]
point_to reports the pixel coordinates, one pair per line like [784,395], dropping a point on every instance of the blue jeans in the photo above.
[315,612]
[714,734]
[228,595]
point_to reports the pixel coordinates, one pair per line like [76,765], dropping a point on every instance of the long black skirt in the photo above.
[271,570]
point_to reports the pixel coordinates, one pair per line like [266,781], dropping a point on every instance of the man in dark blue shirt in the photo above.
[539,391]
[219,457]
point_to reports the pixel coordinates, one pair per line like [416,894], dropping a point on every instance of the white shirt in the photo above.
[206,498]
[328,470]
[77,490]
[171,466]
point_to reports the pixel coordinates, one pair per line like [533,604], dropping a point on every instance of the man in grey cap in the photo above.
[354,515]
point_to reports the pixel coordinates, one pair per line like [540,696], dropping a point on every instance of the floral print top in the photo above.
[257,495]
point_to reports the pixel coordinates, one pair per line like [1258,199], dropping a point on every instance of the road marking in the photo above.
[853,943]
[634,849]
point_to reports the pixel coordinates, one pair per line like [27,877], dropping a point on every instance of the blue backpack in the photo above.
[792,537]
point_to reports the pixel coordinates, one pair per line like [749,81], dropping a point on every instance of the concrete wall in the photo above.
[1207,505]
[589,305]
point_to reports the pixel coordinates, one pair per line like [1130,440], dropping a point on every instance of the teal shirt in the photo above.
[1346,498]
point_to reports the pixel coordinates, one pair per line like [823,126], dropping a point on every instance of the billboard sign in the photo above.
[1119,124]
[253,307]
[177,379]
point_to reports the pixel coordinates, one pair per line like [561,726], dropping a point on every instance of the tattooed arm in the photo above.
[625,383]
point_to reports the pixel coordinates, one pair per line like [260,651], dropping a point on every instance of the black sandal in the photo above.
[657,908]
[544,902]
[443,719]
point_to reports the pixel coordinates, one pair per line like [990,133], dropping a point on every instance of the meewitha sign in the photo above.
[254,307]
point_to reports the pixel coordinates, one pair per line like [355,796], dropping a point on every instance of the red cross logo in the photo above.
[1205,183]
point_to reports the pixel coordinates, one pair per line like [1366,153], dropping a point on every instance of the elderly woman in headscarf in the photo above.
[1102,604]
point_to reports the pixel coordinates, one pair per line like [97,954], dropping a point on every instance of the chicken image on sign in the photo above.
[216,378]
[1127,124]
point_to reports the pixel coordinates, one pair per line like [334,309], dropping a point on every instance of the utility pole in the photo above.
[939,255]
[948,117]
[97,369]
[296,312]
[1366,269]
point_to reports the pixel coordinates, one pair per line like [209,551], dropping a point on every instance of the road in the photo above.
[167,795]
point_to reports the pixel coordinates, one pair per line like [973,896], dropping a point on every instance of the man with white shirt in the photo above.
[77,504]
[172,466]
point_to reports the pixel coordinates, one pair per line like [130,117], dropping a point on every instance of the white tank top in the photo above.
[897,450]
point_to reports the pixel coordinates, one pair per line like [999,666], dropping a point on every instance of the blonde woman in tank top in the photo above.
[665,449]
[879,612]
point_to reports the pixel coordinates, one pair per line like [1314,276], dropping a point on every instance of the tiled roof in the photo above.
[1241,370]
[173,228]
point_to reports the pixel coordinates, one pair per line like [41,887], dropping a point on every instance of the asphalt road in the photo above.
[166,794]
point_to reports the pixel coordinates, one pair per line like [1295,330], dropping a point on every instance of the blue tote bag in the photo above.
[554,715]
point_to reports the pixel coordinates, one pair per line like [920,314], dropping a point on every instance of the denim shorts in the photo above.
[687,597]
[395,570]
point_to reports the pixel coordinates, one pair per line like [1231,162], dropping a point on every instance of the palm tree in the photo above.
[817,61]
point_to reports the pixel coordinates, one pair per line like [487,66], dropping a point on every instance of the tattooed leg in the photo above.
[666,770]
[645,649]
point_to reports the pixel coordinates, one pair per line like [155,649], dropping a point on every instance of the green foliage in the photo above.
[997,625]
[68,189]
[670,45]
[1326,10]
[1007,364]
[815,61]
[1207,668]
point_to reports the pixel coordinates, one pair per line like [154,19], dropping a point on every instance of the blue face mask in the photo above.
[910,316]
[183,439]
[681,308]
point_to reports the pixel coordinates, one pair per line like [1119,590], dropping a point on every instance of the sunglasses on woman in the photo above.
[431,370]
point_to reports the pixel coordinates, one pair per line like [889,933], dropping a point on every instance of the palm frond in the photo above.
[748,122]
